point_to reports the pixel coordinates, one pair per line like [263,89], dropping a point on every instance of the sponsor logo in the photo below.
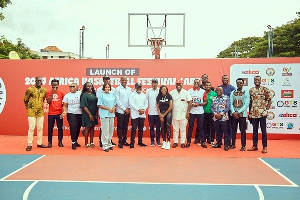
[267,81]
[271,116]
[245,81]
[288,115]
[2,95]
[287,93]
[290,126]
[287,104]
[286,82]
[270,71]
[250,72]
[275,125]
[287,71]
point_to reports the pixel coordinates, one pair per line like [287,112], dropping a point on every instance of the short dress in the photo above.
[89,101]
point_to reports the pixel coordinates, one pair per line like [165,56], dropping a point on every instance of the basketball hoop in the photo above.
[156,45]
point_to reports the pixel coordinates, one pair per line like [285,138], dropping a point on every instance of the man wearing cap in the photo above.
[106,80]
[180,112]
[199,99]
[122,93]
[138,105]
[153,116]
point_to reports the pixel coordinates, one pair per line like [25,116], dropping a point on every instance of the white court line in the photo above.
[27,191]
[148,183]
[260,193]
[21,168]
[280,174]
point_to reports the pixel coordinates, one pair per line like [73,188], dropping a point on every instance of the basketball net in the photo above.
[156,45]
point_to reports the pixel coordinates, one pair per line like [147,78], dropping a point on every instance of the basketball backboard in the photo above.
[144,26]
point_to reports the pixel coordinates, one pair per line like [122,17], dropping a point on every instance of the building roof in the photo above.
[53,48]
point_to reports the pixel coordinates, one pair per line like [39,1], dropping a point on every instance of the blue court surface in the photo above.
[60,189]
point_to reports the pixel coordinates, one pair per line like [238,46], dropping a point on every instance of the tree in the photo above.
[3,4]
[7,46]
[286,43]
[244,47]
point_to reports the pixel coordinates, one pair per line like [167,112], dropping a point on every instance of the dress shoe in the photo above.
[242,149]
[49,144]
[74,146]
[203,145]
[196,141]
[131,146]
[253,149]
[60,144]
[174,145]
[106,150]
[28,148]
[100,145]
[182,145]
[126,144]
[41,146]
[77,145]
[188,145]
[120,145]
[111,148]
[264,150]
[216,146]
[226,148]
[142,145]
[112,143]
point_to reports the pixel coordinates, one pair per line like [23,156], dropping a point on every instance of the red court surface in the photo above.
[276,149]
[182,170]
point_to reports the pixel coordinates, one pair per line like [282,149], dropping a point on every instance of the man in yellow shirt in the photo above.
[34,100]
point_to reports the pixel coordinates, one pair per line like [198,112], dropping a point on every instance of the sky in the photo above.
[210,26]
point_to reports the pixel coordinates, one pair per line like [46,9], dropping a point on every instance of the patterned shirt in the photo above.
[259,100]
[239,101]
[221,105]
[34,100]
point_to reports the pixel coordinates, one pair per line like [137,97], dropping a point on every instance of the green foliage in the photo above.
[286,43]
[3,4]
[23,51]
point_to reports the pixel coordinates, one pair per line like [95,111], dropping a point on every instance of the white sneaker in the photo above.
[164,145]
[168,145]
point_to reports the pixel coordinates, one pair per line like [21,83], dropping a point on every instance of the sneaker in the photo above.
[49,144]
[131,146]
[212,144]
[152,144]
[142,145]
[28,148]
[92,145]
[164,145]
[168,145]
[74,146]
[158,143]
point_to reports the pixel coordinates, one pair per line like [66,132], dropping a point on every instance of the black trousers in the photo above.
[242,125]
[209,127]
[222,127]
[154,121]
[59,123]
[122,127]
[262,122]
[166,127]
[75,125]
[137,123]
[199,129]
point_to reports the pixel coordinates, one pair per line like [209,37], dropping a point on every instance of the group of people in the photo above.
[215,113]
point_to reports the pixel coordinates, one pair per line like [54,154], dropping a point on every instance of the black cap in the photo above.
[138,85]
[105,77]
[154,80]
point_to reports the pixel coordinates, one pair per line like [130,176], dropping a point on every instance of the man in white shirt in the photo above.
[199,99]
[122,93]
[180,112]
[106,80]
[138,105]
[153,117]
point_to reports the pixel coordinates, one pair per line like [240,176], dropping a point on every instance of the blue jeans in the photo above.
[154,121]
[59,123]
[200,120]
[263,128]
